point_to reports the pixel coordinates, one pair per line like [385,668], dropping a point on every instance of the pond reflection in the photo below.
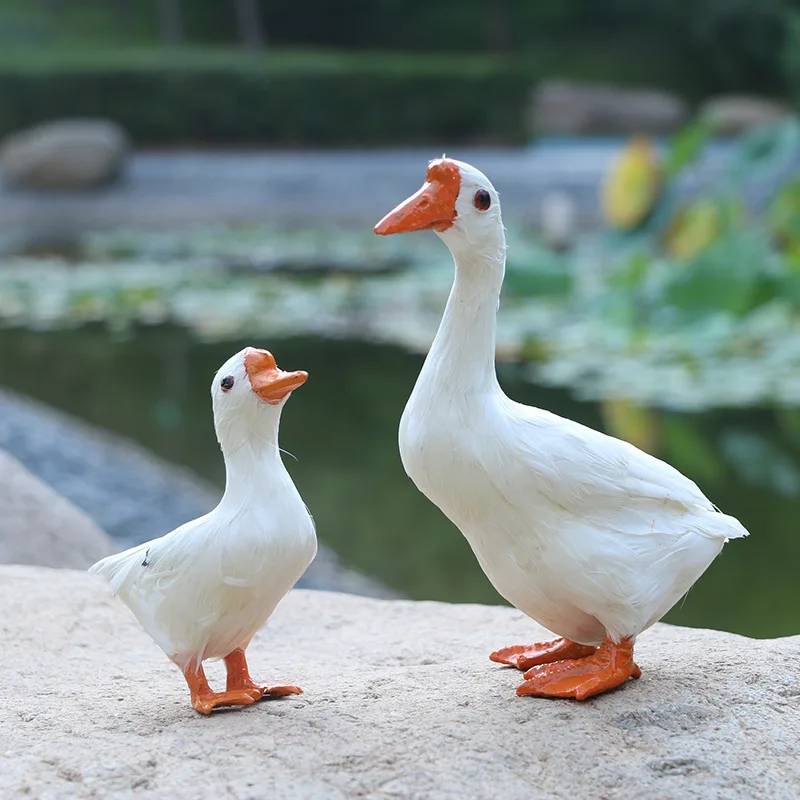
[342,429]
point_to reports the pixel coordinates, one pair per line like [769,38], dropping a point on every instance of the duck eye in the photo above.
[226,383]
[482,200]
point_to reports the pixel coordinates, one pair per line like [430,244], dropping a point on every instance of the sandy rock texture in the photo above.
[401,702]
[39,526]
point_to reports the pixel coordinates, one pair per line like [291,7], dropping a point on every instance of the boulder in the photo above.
[64,155]
[39,526]
[731,115]
[562,108]
[400,701]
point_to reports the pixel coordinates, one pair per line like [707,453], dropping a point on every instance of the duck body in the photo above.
[204,590]
[586,534]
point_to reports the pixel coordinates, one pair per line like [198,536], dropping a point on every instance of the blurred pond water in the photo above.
[152,386]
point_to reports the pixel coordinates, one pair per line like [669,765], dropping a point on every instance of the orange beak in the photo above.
[267,381]
[433,207]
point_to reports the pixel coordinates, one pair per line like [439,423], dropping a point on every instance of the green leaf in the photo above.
[766,152]
[783,214]
[725,277]
[631,273]
[686,146]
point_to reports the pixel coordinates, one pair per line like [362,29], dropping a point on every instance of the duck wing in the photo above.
[590,473]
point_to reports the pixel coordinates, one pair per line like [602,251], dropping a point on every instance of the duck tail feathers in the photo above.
[116,569]
[721,525]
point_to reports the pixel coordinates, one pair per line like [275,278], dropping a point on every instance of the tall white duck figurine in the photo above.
[203,590]
[584,533]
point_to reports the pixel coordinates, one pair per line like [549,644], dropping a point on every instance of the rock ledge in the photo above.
[401,702]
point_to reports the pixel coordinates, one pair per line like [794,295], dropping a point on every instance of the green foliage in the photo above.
[727,277]
[705,257]
[717,326]
[542,273]
[293,98]
[700,48]
[783,216]
[697,225]
[735,45]
[686,146]
[766,152]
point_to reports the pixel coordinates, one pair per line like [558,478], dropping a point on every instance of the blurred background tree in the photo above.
[201,71]
[724,44]
[729,44]
[170,20]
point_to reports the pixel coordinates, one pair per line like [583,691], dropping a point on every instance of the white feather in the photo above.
[204,589]
[583,532]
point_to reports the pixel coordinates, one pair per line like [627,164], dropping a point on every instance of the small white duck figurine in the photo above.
[203,590]
[589,536]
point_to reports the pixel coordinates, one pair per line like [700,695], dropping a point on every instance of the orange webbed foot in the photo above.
[239,680]
[279,689]
[204,699]
[610,666]
[266,690]
[204,703]
[525,656]
[241,689]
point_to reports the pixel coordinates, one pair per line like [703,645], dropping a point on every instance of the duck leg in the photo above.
[204,699]
[525,656]
[239,679]
[610,666]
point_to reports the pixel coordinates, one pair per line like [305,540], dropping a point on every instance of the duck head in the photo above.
[248,393]
[456,201]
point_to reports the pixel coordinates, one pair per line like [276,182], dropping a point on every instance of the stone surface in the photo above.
[731,115]
[39,526]
[66,155]
[562,108]
[129,492]
[400,702]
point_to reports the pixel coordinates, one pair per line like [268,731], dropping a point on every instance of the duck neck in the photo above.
[463,351]
[251,466]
